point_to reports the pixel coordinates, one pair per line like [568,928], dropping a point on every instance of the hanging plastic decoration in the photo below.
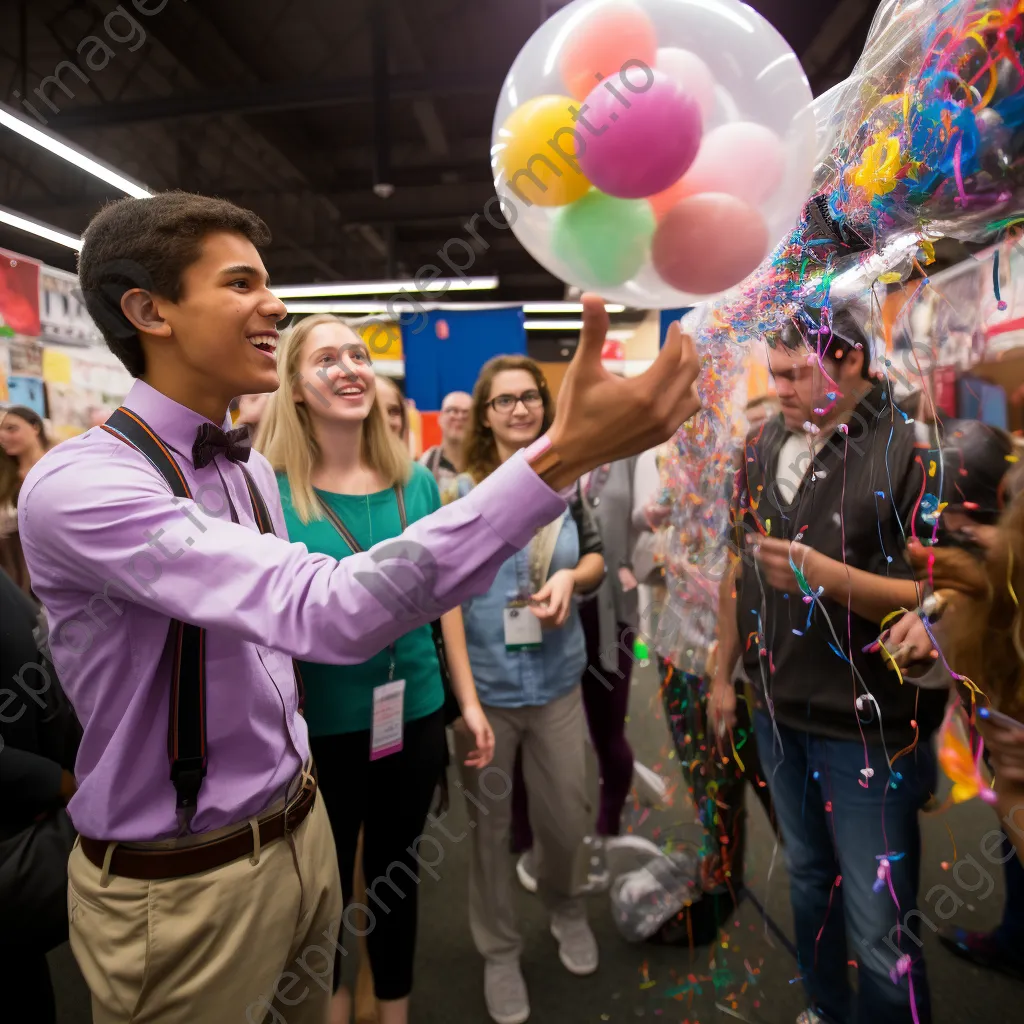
[653,150]
[922,141]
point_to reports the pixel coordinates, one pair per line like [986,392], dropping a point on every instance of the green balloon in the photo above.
[604,241]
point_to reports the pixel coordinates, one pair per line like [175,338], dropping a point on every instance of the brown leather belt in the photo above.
[153,863]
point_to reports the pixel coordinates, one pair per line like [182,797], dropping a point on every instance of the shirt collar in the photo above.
[174,424]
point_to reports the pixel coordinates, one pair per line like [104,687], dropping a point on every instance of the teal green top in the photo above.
[339,698]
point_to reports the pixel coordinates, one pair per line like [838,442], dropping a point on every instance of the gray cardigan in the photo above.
[609,493]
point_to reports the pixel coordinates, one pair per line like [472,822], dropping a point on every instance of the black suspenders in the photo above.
[186,731]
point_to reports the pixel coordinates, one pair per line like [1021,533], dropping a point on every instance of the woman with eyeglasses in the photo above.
[527,650]
[376,729]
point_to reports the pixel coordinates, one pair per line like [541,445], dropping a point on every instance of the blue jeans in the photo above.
[835,832]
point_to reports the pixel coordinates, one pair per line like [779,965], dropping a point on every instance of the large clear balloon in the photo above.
[628,132]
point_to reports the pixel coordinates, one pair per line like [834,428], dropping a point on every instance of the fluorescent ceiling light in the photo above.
[34,227]
[553,325]
[356,308]
[74,156]
[529,308]
[441,284]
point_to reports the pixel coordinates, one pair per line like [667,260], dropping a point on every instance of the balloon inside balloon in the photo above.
[708,243]
[535,153]
[633,152]
[743,159]
[691,73]
[626,126]
[606,38]
[603,240]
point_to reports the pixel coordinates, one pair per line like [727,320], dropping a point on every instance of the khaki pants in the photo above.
[244,942]
[554,769]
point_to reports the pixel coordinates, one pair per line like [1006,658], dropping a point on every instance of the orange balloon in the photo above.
[535,152]
[598,48]
[662,202]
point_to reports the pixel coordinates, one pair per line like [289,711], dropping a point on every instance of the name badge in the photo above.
[386,735]
[522,628]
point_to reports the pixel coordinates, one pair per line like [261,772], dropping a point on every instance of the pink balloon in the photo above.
[708,243]
[691,73]
[742,159]
[636,140]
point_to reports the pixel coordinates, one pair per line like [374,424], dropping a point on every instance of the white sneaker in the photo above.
[526,871]
[577,947]
[505,993]
[651,788]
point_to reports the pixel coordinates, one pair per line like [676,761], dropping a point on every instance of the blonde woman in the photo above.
[376,729]
[395,410]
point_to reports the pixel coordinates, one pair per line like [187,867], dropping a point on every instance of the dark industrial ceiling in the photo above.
[297,108]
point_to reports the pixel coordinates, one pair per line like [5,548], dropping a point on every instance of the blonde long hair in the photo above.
[286,434]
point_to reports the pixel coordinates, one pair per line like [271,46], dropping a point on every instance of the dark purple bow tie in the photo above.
[211,440]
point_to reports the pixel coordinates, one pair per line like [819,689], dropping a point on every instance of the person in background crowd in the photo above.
[978,478]
[347,483]
[715,774]
[395,411]
[448,459]
[250,410]
[38,742]
[527,650]
[23,442]
[242,847]
[846,749]
[610,619]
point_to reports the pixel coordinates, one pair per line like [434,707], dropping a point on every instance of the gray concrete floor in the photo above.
[665,985]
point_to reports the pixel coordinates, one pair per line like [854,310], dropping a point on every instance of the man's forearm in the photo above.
[728,630]
[868,595]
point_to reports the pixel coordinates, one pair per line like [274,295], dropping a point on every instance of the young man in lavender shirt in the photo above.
[174,618]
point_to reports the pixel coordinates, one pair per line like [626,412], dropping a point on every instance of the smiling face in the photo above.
[334,375]
[391,400]
[17,436]
[519,424]
[454,420]
[224,323]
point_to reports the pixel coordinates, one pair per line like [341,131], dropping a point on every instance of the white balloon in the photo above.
[755,77]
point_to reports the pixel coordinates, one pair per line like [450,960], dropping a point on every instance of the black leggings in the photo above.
[389,799]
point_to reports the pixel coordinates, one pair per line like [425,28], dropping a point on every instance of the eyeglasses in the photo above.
[455,412]
[506,403]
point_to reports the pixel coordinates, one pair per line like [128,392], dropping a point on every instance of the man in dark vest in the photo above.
[825,499]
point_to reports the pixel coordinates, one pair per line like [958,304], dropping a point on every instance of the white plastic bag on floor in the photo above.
[649,886]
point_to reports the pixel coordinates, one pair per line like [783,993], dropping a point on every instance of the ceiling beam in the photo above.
[359,206]
[275,97]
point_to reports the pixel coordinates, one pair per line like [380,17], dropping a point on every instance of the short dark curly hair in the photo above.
[842,335]
[148,243]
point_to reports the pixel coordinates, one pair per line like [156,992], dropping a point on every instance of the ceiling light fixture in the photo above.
[35,227]
[54,145]
[553,325]
[530,308]
[410,288]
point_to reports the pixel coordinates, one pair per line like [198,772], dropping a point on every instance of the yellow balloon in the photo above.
[536,151]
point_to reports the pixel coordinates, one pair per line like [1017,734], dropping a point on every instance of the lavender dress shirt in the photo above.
[114,557]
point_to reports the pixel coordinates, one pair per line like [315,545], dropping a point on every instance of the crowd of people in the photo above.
[260,728]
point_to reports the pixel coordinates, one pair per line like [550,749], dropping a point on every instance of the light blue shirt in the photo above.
[524,678]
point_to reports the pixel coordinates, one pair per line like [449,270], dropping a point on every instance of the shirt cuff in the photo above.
[515,501]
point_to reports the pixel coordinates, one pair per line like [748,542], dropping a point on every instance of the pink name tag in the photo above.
[386,735]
